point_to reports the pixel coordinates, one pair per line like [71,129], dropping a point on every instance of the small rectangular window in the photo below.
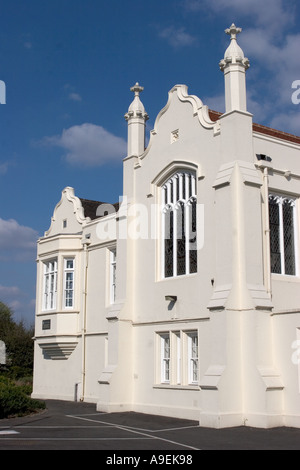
[46,324]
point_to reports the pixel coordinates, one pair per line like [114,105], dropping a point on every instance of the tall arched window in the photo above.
[179,219]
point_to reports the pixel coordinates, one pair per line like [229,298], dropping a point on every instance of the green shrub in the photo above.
[15,401]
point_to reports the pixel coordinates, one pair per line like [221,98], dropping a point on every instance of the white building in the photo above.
[2,353]
[184,300]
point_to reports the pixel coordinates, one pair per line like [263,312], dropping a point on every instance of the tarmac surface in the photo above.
[78,426]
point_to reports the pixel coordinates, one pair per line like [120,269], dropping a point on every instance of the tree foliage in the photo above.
[18,340]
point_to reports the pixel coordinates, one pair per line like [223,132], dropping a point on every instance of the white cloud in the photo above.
[72,94]
[75,97]
[290,120]
[3,168]
[256,107]
[272,14]
[89,145]
[177,37]
[272,45]
[21,305]
[9,291]
[279,60]
[17,242]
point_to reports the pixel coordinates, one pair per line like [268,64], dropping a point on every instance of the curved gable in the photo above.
[70,210]
[198,110]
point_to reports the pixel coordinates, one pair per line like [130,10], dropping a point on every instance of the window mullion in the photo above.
[181,196]
[193,185]
[168,193]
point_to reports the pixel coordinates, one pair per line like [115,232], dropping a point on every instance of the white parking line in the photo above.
[132,430]
[28,439]
[8,431]
[60,427]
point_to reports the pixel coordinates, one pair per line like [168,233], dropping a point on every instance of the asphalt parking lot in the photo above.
[78,426]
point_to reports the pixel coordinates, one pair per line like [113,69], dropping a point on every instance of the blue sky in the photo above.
[68,66]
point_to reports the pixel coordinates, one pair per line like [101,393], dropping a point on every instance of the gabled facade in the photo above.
[184,299]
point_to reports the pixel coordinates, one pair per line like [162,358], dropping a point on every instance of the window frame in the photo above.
[66,289]
[49,301]
[176,363]
[279,200]
[165,359]
[112,274]
[193,360]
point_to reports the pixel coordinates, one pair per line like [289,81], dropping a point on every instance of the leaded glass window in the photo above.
[282,234]
[179,224]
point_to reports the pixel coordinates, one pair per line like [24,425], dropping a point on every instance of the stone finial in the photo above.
[233,31]
[137,89]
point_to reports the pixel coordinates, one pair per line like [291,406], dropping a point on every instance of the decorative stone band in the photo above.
[58,350]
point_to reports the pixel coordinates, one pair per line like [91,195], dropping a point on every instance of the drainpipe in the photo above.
[267,232]
[86,242]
